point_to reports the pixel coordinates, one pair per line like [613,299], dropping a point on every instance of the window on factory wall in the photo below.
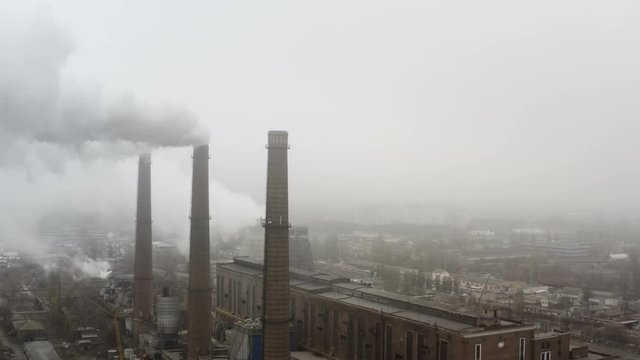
[219,291]
[521,350]
[236,299]
[314,330]
[305,315]
[253,301]
[335,332]
[360,338]
[388,343]
[350,336]
[379,344]
[409,352]
[325,327]
[421,348]
[545,355]
[559,348]
[228,296]
[232,290]
[239,305]
[444,350]
[478,351]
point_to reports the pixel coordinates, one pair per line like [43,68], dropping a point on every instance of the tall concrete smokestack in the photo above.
[276,316]
[143,272]
[199,306]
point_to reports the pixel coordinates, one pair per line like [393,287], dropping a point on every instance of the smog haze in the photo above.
[496,107]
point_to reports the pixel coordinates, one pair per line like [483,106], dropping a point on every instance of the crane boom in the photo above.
[117,316]
[484,287]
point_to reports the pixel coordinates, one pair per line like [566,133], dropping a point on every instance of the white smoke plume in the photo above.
[37,105]
[69,149]
[80,266]
[92,268]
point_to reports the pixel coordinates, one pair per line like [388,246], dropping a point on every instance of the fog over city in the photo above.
[492,107]
[468,167]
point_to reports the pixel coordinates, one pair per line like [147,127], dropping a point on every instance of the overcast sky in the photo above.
[493,105]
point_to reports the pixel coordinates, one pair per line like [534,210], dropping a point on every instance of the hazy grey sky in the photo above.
[486,104]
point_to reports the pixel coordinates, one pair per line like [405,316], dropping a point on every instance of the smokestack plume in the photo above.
[277,314]
[199,305]
[143,272]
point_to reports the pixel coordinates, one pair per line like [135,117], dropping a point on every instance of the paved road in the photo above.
[17,350]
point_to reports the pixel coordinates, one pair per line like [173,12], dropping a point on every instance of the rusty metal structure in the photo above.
[276,315]
[143,268]
[199,301]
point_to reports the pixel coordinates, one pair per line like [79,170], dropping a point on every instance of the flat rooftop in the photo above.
[375,300]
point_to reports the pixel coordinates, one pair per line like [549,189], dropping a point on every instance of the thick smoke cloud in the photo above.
[38,105]
[67,148]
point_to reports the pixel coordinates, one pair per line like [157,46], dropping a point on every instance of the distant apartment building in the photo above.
[474,283]
[568,249]
[440,275]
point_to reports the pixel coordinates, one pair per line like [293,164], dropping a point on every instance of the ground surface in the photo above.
[17,349]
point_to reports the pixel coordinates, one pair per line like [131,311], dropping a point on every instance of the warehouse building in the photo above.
[337,319]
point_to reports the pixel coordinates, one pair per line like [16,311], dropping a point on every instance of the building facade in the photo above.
[342,320]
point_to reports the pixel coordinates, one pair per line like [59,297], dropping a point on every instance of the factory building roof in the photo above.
[383,302]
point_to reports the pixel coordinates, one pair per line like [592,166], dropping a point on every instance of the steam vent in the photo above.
[199,303]
[143,294]
[277,314]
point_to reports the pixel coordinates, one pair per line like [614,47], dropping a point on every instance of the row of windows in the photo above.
[521,351]
[243,300]
[324,326]
[334,330]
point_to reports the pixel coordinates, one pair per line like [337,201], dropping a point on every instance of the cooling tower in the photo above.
[277,315]
[199,302]
[143,272]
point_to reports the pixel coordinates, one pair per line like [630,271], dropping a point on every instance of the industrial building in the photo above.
[341,320]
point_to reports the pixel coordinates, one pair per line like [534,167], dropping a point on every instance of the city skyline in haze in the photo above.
[497,107]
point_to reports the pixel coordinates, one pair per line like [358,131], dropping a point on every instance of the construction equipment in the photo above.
[484,287]
[117,321]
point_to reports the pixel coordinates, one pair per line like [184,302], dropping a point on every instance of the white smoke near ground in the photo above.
[79,267]
[69,149]
[92,268]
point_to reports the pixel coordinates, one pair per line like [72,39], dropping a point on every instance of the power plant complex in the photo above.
[275,303]
[276,319]
[271,308]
